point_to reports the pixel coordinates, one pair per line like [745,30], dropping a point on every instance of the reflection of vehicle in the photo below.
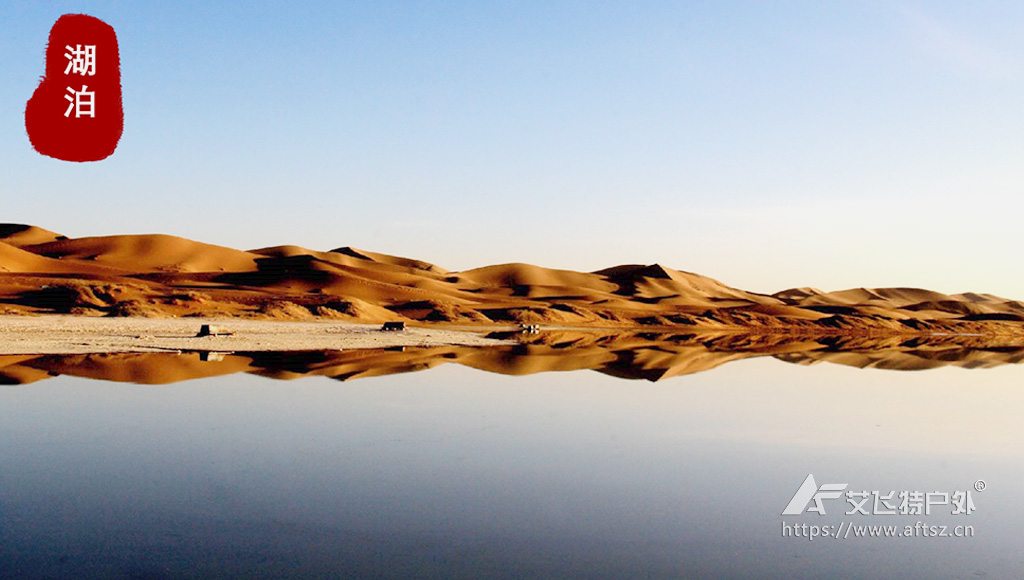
[529,328]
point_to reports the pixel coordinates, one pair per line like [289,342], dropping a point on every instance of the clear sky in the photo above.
[766,144]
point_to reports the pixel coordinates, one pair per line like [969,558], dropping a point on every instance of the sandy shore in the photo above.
[55,334]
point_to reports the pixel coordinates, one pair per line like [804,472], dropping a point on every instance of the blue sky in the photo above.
[769,145]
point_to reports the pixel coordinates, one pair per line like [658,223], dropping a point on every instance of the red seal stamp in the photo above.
[75,114]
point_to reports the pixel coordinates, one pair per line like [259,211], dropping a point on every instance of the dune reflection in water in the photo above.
[646,356]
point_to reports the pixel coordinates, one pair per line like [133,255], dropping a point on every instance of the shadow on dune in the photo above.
[646,356]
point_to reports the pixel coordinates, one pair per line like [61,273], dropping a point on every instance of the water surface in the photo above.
[459,473]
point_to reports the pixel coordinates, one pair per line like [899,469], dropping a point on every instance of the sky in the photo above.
[768,145]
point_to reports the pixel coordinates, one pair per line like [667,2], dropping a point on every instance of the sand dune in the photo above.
[20,261]
[392,260]
[19,235]
[148,253]
[165,276]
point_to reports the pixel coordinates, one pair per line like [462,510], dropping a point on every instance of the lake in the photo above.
[454,472]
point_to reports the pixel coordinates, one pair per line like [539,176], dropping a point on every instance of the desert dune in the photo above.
[162,276]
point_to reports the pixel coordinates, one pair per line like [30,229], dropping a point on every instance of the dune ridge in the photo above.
[158,275]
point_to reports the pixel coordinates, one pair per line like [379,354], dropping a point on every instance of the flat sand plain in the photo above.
[66,334]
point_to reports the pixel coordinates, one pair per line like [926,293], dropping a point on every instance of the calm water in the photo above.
[457,473]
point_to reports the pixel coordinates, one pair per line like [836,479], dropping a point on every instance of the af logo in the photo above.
[809,490]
